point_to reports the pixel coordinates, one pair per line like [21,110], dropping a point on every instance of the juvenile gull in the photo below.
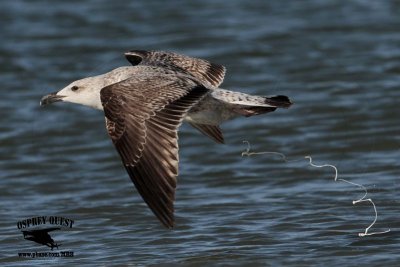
[145,104]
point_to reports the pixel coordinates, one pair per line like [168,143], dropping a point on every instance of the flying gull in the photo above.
[145,104]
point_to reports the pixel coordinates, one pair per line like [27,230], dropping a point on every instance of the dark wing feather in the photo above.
[212,131]
[203,70]
[142,118]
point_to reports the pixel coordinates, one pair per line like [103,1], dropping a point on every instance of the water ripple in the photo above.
[338,61]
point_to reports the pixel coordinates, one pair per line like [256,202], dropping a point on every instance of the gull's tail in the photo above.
[224,105]
[249,105]
[278,101]
[262,105]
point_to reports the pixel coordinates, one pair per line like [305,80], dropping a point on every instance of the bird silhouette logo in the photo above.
[41,236]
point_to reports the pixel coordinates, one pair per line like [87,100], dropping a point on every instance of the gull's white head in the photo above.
[87,91]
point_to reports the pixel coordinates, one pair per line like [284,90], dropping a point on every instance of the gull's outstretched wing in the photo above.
[204,71]
[212,131]
[143,114]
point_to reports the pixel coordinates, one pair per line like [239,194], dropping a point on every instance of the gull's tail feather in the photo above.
[279,101]
[262,105]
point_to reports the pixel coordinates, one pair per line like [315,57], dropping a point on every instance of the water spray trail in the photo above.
[363,199]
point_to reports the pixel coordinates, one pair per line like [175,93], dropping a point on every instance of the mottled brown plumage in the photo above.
[209,74]
[144,106]
[143,125]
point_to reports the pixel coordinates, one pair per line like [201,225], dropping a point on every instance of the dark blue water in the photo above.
[339,61]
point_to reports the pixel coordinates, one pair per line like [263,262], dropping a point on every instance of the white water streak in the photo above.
[363,199]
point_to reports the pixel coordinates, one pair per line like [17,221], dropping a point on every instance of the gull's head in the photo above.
[85,92]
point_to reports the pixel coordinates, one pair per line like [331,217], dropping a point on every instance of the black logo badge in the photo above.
[41,236]
[35,230]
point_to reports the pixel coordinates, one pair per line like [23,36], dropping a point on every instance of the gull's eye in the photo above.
[74,88]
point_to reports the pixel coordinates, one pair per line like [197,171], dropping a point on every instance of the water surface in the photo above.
[338,60]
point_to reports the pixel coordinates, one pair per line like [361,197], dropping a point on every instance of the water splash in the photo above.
[362,199]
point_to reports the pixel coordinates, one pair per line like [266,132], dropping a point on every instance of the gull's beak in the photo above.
[51,98]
